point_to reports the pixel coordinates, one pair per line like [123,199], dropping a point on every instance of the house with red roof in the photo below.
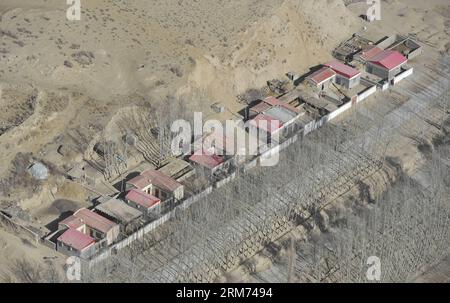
[73,242]
[386,64]
[120,212]
[147,204]
[346,75]
[93,225]
[322,78]
[208,161]
[156,183]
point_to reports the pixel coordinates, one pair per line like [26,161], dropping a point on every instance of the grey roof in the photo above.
[176,168]
[119,210]
[290,96]
[304,120]
[320,103]
[39,171]
[281,114]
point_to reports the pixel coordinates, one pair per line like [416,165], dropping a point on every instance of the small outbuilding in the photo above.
[267,104]
[39,171]
[148,205]
[322,78]
[156,183]
[177,169]
[75,243]
[119,212]
[346,75]
[208,161]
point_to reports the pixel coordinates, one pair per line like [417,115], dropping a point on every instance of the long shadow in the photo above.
[310,72]
[121,184]
[53,225]
[245,111]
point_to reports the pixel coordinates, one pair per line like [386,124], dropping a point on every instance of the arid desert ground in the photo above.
[66,84]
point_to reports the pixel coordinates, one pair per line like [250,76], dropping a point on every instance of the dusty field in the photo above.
[63,83]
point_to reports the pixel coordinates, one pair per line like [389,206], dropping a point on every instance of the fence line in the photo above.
[253,163]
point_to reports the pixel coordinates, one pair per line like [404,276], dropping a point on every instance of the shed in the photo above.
[346,75]
[74,242]
[145,203]
[119,210]
[268,103]
[177,169]
[209,162]
[39,171]
[322,78]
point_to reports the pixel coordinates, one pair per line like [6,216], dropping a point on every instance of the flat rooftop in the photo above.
[318,103]
[176,168]
[281,114]
[290,96]
[119,210]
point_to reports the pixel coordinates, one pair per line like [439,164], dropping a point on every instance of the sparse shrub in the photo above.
[83,57]
[177,71]
[68,64]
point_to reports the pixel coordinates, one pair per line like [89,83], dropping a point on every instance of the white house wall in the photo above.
[340,110]
[403,75]
[366,93]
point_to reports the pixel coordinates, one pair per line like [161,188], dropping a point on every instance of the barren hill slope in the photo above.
[294,38]
[63,82]
[121,53]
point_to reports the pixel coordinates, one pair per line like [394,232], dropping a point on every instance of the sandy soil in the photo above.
[62,82]
[14,249]
[66,83]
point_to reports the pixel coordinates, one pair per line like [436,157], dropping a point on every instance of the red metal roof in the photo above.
[322,75]
[343,69]
[389,59]
[94,220]
[161,180]
[139,197]
[72,222]
[140,181]
[206,159]
[76,239]
[156,178]
[370,52]
[266,123]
